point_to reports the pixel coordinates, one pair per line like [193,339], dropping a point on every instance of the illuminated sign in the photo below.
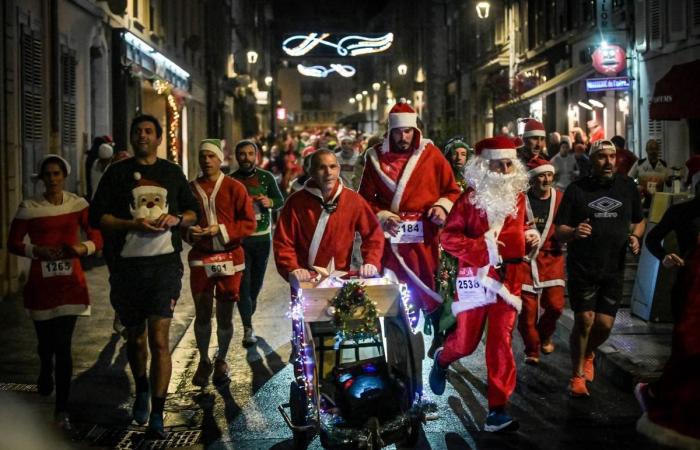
[351,45]
[607,84]
[322,71]
[163,64]
[609,59]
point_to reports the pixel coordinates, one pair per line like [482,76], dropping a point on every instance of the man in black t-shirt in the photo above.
[599,216]
[140,204]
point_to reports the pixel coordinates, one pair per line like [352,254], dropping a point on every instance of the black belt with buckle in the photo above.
[501,270]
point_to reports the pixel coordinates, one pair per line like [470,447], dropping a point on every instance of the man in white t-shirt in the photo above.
[565,164]
[347,158]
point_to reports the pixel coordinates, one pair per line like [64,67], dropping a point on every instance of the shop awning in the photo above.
[677,94]
[563,79]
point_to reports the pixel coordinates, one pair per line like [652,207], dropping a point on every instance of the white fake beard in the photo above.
[495,193]
[144,212]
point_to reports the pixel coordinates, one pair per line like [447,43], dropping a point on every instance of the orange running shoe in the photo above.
[589,368]
[577,387]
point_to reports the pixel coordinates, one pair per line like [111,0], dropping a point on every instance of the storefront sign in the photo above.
[609,59]
[607,84]
[603,14]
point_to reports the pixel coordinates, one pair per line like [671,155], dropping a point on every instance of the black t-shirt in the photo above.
[611,207]
[540,210]
[129,190]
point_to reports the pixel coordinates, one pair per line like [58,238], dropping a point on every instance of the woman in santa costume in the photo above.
[543,282]
[410,186]
[487,231]
[670,404]
[317,225]
[56,291]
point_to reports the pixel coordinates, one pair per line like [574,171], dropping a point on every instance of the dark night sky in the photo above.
[324,15]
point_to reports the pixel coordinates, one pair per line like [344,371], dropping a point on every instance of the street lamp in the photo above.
[482,9]
[252,56]
[364,93]
[585,105]
[268,81]
[403,69]
[358,97]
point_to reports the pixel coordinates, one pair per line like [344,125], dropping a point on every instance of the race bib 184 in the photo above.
[410,232]
[60,268]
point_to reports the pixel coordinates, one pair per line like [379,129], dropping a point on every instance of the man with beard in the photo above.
[543,284]
[266,195]
[411,188]
[141,203]
[487,231]
[317,225]
[599,217]
[534,138]
[458,153]
[216,259]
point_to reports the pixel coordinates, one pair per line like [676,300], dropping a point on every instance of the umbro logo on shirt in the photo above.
[605,207]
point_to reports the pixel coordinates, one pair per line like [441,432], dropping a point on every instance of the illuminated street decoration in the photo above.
[352,45]
[322,71]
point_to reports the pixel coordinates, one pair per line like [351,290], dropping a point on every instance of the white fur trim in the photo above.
[434,295]
[90,247]
[406,176]
[537,284]
[372,155]
[445,203]
[533,133]
[541,169]
[40,207]
[223,234]
[322,221]
[403,120]
[29,250]
[666,436]
[208,146]
[498,153]
[209,203]
[62,310]
[502,291]
[140,190]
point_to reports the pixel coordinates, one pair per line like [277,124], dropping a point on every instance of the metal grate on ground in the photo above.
[17,387]
[124,438]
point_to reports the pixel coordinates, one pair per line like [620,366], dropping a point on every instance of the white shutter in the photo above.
[640,25]
[695,17]
[677,15]
[654,19]
[656,131]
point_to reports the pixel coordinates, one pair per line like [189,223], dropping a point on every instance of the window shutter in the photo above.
[656,131]
[31,116]
[655,24]
[68,100]
[695,17]
[677,20]
[640,26]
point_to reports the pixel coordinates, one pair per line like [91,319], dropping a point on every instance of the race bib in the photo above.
[60,268]
[220,269]
[470,290]
[410,232]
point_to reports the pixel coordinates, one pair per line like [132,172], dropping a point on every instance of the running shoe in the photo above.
[577,386]
[438,376]
[499,420]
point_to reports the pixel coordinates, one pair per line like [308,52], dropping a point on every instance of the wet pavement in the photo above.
[243,415]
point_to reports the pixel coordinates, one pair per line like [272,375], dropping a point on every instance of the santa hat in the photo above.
[533,128]
[402,115]
[105,151]
[145,186]
[214,146]
[499,147]
[539,166]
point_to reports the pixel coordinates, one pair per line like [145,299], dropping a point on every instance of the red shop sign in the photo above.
[609,60]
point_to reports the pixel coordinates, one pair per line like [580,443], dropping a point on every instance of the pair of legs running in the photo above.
[204,303]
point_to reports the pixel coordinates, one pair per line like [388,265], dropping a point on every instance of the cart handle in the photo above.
[288,421]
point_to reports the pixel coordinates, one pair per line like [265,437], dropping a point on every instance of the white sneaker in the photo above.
[249,337]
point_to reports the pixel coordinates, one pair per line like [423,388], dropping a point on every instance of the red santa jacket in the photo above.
[54,288]
[226,203]
[464,237]
[425,181]
[545,267]
[309,235]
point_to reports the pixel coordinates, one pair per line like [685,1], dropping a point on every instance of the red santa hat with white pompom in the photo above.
[499,147]
[532,128]
[402,115]
[539,166]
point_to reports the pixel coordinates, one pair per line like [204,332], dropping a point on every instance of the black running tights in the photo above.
[54,336]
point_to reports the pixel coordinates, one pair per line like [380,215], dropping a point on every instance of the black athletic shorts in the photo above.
[601,295]
[140,291]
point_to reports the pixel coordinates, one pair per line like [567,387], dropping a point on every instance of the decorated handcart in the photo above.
[357,364]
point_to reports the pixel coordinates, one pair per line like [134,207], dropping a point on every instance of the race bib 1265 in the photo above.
[60,268]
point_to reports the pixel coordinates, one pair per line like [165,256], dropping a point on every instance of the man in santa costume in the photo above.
[317,225]
[217,259]
[533,136]
[543,283]
[487,231]
[410,186]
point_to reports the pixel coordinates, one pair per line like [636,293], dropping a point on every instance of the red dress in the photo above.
[54,288]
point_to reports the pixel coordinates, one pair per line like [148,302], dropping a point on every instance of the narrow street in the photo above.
[244,414]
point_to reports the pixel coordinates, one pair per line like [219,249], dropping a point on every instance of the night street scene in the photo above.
[275,224]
